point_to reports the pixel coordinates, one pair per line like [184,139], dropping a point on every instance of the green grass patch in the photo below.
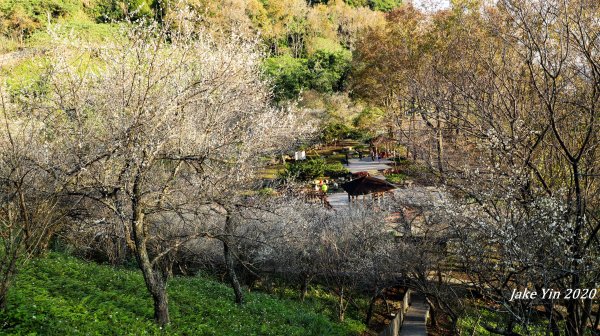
[472,323]
[83,30]
[61,295]
[336,158]
[26,76]
[395,178]
[271,172]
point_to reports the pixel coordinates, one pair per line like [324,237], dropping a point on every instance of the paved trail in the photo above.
[414,320]
[415,323]
[357,165]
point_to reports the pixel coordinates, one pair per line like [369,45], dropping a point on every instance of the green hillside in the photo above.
[61,295]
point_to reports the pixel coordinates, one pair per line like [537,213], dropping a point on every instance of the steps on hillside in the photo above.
[415,320]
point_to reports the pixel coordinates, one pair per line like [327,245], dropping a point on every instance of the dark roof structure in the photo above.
[366,185]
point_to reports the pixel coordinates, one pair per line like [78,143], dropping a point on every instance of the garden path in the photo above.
[415,320]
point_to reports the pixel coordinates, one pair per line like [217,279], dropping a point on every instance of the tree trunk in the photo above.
[155,282]
[304,288]
[342,310]
[233,280]
[229,264]
[161,305]
[411,135]
[552,325]
[439,144]
[8,266]
[386,302]
[597,322]
[371,305]
[8,272]
[574,311]
[432,312]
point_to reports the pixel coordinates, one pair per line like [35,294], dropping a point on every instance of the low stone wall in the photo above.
[393,329]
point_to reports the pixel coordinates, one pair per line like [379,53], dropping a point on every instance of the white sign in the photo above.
[300,156]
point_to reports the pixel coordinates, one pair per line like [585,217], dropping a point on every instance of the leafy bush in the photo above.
[400,160]
[39,10]
[61,295]
[323,71]
[318,43]
[289,75]
[338,131]
[335,170]
[380,5]
[305,170]
[369,120]
[266,192]
[113,10]
[20,18]
[384,5]
[328,70]
[395,178]
[357,3]
[335,131]
[312,169]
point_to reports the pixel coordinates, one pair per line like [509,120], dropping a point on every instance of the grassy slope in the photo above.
[60,295]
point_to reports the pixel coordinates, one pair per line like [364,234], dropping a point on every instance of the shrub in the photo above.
[335,170]
[114,10]
[20,18]
[380,5]
[266,192]
[324,71]
[289,75]
[312,169]
[395,178]
[39,10]
[384,5]
[328,70]
[305,170]
[369,120]
[338,131]
[335,131]
[357,3]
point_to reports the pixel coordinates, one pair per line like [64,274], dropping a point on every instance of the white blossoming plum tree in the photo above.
[162,126]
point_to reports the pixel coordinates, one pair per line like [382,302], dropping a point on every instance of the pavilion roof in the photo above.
[366,185]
